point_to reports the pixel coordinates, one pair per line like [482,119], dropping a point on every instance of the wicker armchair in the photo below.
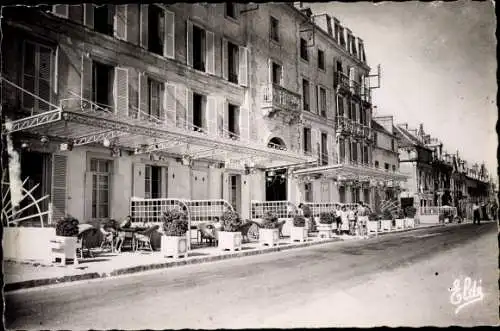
[207,232]
[143,238]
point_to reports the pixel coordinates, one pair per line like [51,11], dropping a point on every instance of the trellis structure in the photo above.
[207,210]
[321,207]
[282,209]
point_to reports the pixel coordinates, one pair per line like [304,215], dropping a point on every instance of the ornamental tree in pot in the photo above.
[269,230]
[326,220]
[400,219]
[298,231]
[63,246]
[373,224]
[175,226]
[410,213]
[230,236]
[386,220]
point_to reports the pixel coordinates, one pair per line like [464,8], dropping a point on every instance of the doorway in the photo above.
[276,185]
[235,192]
[37,168]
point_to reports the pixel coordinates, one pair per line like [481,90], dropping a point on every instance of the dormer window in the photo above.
[231,10]
[304,54]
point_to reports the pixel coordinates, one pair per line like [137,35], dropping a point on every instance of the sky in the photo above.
[438,67]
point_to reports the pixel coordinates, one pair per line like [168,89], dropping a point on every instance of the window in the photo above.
[156,29]
[152,182]
[154,92]
[231,10]
[321,59]
[233,116]
[365,154]
[342,150]
[392,145]
[342,194]
[337,32]
[102,84]
[103,19]
[304,54]
[232,59]
[307,141]
[362,116]
[341,37]
[376,164]
[386,166]
[322,101]
[341,106]
[324,148]
[354,152]
[199,103]
[353,112]
[375,138]
[37,76]
[393,168]
[198,48]
[274,31]
[101,171]
[308,192]
[305,94]
[277,72]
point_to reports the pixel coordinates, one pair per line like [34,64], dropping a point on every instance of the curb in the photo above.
[410,229]
[141,268]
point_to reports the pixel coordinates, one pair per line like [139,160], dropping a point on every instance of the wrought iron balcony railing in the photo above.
[275,96]
[347,126]
[341,80]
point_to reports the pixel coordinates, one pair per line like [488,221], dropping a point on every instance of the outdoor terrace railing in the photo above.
[437,210]
[321,207]
[279,97]
[207,210]
[282,209]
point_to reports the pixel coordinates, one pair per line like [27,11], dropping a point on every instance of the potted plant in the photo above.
[400,219]
[298,231]
[64,245]
[326,220]
[373,224]
[410,213]
[229,235]
[386,220]
[269,231]
[175,226]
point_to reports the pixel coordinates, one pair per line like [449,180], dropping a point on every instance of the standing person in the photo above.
[345,220]
[362,218]
[351,215]
[475,213]
[338,218]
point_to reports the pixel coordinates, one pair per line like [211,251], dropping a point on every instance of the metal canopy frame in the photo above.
[82,122]
[352,172]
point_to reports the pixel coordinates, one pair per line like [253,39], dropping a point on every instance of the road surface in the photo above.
[400,279]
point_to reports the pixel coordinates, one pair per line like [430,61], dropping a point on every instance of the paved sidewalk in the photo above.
[18,275]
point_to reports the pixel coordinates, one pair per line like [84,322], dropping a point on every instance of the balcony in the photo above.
[346,126]
[341,80]
[276,97]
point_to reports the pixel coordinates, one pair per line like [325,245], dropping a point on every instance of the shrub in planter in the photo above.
[400,219]
[306,210]
[298,232]
[270,221]
[299,221]
[441,218]
[67,227]
[229,236]
[373,223]
[386,220]
[325,224]
[269,233]
[410,212]
[175,226]
[326,218]
[64,245]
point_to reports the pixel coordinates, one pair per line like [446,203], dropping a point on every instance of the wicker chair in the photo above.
[85,231]
[108,240]
[143,238]
[245,228]
[207,232]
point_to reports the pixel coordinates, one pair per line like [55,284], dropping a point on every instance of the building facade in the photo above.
[192,101]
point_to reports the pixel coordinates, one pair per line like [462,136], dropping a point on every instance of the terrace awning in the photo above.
[352,172]
[80,122]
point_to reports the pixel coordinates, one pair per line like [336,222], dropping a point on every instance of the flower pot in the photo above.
[229,240]
[269,237]
[325,230]
[64,248]
[372,226]
[400,223]
[385,225]
[298,233]
[174,246]
[409,222]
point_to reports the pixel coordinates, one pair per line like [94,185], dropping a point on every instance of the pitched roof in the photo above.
[406,138]
[378,127]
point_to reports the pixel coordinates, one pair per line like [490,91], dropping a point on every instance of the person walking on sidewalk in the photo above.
[362,219]
[338,218]
[475,213]
[352,221]
[345,220]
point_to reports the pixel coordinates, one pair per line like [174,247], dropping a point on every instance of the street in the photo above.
[400,279]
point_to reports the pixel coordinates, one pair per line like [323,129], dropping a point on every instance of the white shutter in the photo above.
[189,41]
[221,114]
[210,53]
[169,45]
[61,10]
[120,24]
[88,15]
[351,77]
[59,173]
[86,75]
[314,140]
[170,103]
[189,108]
[121,91]
[139,171]
[144,25]
[244,124]
[332,149]
[243,70]
[143,94]
[318,100]
[270,70]
[225,67]
[363,87]
[212,115]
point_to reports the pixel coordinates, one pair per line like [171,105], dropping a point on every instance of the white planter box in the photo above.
[372,226]
[400,223]
[385,225]
[409,222]
[269,237]
[298,234]
[230,240]
[325,230]
[64,248]
[27,243]
[174,246]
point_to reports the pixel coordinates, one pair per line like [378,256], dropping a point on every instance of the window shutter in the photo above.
[61,10]
[189,43]
[169,35]
[332,150]
[244,124]
[270,67]
[210,53]
[144,25]
[170,104]
[189,108]
[139,171]
[225,66]
[243,70]
[86,84]
[121,91]
[212,115]
[88,15]
[363,87]
[221,114]
[351,78]
[318,100]
[143,94]
[314,140]
[121,22]
[59,166]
